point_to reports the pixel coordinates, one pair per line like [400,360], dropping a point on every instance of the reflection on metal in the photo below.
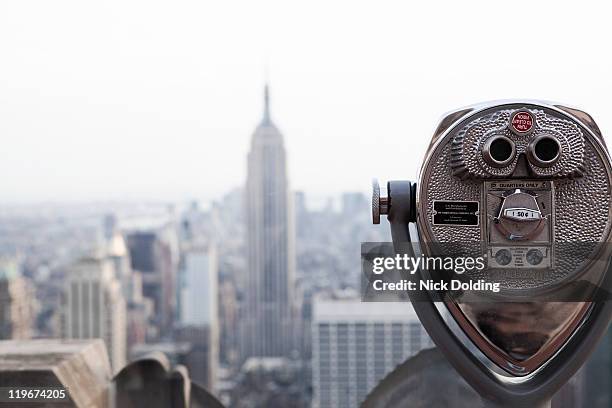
[519,337]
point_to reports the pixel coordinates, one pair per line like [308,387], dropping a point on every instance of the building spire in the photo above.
[266,118]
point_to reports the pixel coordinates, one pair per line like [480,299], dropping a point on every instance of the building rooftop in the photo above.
[41,354]
[354,310]
[265,364]
[163,347]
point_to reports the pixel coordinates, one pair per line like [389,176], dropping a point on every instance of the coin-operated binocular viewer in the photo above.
[525,186]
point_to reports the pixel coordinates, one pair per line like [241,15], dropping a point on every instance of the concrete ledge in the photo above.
[80,366]
[83,368]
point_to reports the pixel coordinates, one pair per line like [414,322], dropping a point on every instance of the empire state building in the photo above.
[269,307]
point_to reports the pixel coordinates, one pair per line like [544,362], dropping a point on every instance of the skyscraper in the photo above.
[94,307]
[355,344]
[152,254]
[139,308]
[198,317]
[198,289]
[269,309]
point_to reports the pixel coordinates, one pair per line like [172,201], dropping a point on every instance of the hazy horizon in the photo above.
[146,100]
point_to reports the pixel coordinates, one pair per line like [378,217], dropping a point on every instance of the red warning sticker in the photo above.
[522,121]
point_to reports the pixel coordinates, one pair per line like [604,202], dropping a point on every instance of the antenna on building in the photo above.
[266,119]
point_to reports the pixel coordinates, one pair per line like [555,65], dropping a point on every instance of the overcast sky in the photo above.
[158,100]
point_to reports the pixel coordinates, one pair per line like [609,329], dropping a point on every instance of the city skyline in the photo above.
[166,241]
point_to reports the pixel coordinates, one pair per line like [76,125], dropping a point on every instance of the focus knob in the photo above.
[380,205]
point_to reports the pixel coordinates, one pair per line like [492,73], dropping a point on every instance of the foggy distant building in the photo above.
[355,204]
[202,357]
[268,309]
[198,317]
[301,214]
[355,344]
[109,226]
[228,322]
[94,307]
[225,219]
[140,312]
[271,382]
[117,253]
[139,308]
[199,287]
[142,246]
[153,257]
[299,204]
[17,299]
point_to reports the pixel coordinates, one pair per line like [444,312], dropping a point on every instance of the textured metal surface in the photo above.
[455,170]
[441,184]
[467,161]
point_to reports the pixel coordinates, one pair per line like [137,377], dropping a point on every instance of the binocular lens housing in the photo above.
[499,151]
[544,150]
